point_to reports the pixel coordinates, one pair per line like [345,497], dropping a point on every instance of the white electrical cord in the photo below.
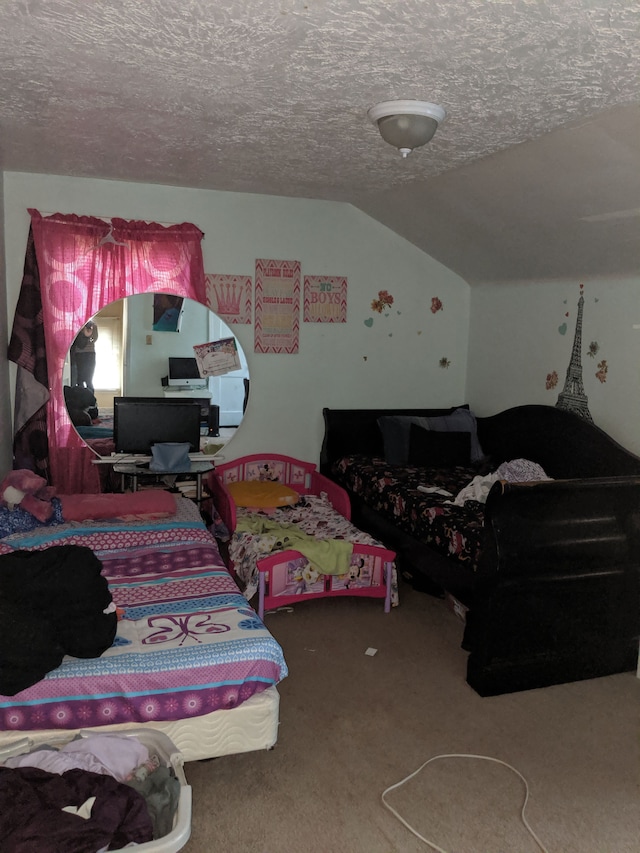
[461,755]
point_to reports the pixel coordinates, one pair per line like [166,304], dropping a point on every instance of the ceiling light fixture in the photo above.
[407,124]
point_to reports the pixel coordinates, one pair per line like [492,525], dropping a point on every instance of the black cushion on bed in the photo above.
[432,449]
[395,436]
[460,420]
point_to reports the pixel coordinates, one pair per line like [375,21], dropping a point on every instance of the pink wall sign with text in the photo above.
[325,299]
[277,308]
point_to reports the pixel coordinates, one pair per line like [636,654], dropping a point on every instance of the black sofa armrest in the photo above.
[561,575]
[578,526]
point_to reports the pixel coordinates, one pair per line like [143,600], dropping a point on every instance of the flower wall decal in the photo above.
[384,300]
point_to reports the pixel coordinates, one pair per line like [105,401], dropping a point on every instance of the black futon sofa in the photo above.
[555,594]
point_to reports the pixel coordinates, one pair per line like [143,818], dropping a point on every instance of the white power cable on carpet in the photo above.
[461,755]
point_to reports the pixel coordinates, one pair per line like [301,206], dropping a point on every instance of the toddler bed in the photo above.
[190,657]
[290,534]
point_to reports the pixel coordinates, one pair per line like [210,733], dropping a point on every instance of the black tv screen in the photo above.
[139,422]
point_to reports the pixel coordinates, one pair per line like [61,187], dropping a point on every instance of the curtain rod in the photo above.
[108,219]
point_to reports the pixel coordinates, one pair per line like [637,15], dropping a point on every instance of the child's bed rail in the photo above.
[267,466]
[298,475]
[287,577]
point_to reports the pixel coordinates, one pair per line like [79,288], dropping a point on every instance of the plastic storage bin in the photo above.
[157,743]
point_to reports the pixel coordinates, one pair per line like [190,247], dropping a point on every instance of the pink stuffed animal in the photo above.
[29,491]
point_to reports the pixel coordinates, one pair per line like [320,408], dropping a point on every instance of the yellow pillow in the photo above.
[261,493]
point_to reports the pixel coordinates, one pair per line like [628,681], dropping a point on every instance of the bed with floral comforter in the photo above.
[420,502]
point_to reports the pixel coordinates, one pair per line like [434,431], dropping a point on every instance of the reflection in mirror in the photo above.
[132,360]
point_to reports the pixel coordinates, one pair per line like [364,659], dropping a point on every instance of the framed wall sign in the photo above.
[325,299]
[277,308]
[229,296]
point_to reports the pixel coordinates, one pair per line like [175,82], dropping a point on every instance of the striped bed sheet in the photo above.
[188,644]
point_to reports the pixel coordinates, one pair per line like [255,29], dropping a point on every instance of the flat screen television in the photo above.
[184,372]
[139,422]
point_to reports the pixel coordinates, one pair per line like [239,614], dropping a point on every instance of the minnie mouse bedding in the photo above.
[312,516]
[419,501]
[299,535]
[439,506]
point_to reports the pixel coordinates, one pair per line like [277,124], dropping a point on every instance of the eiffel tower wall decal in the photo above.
[572,397]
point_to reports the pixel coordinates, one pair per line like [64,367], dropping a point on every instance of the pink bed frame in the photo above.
[275,569]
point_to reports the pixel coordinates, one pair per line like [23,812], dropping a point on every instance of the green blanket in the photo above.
[327,556]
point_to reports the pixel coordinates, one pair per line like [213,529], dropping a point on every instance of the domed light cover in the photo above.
[407,124]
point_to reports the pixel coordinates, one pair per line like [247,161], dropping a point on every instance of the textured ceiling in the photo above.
[534,174]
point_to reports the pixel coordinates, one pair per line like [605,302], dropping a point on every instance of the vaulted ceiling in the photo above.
[535,173]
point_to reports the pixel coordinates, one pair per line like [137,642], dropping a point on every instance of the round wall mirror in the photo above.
[143,346]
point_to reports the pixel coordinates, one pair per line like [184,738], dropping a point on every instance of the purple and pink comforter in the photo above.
[188,644]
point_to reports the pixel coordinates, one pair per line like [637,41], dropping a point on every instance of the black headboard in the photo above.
[565,444]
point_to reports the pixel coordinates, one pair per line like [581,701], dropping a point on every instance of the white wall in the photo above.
[395,361]
[516,339]
[147,364]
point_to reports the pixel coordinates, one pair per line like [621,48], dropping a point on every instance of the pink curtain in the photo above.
[80,273]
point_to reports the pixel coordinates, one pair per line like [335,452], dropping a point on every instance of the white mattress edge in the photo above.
[253,725]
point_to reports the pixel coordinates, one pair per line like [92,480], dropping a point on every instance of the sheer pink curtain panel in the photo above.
[85,263]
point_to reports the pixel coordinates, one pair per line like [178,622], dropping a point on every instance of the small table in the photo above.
[135,470]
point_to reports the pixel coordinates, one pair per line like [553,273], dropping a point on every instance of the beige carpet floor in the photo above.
[352,724]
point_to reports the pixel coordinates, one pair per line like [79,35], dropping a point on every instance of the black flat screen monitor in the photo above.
[139,422]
